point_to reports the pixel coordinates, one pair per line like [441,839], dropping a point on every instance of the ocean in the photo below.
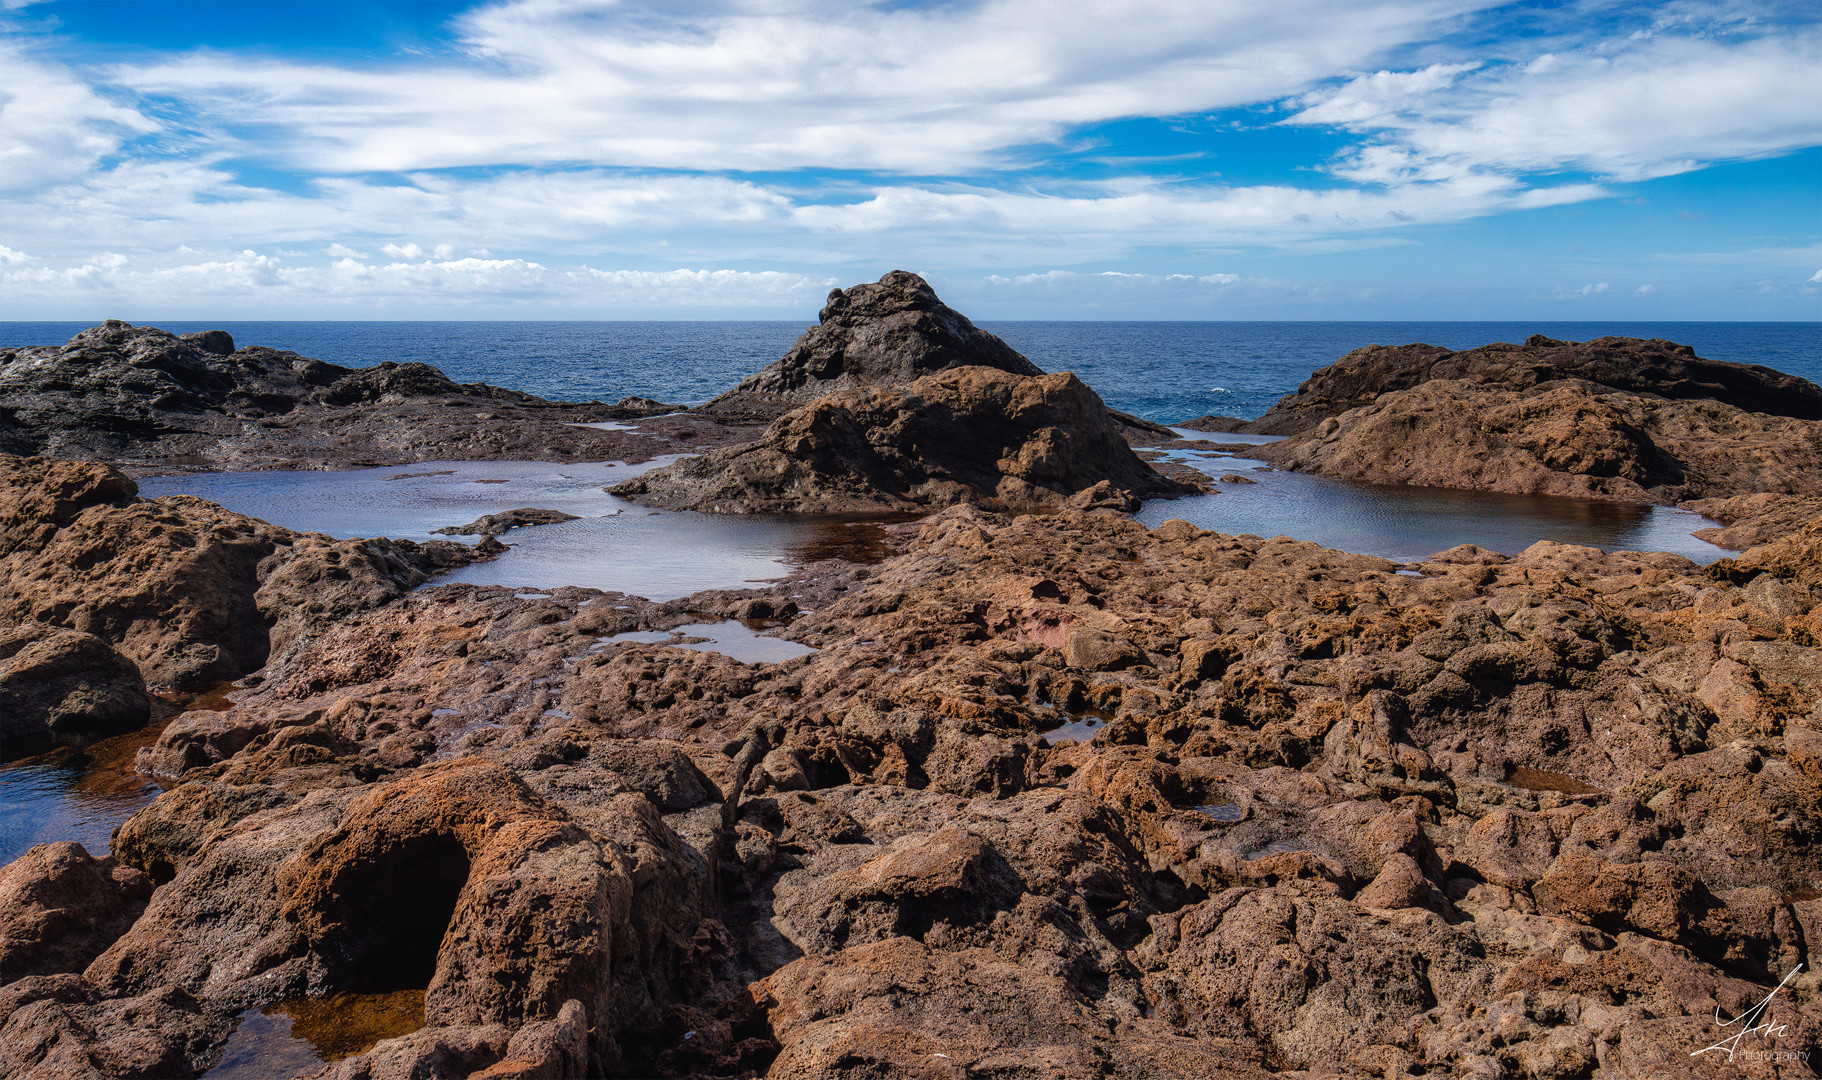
[1163,371]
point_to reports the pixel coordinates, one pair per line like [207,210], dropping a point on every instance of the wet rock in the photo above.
[968,434]
[140,395]
[495,524]
[66,683]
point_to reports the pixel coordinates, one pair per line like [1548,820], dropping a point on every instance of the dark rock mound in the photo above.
[880,334]
[1634,365]
[1225,424]
[638,408]
[122,393]
[971,434]
[495,524]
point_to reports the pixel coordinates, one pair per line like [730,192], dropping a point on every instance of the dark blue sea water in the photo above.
[1164,371]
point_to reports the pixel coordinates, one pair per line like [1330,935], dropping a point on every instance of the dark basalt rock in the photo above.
[879,334]
[66,683]
[495,524]
[1657,367]
[144,397]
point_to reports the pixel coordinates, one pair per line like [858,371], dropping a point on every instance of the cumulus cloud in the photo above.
[53,126]
[785,84]
[1816,278]
[350,284]
[1647,107]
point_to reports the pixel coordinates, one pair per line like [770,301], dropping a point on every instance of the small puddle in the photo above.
[731,638]
[303,1035]
[1079,728]
[1228,812]
[1276,847]
[1543,780]
[83,793]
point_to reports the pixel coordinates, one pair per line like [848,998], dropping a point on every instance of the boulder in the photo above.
[495,524]
[969,434]
[60,907]
[65,682]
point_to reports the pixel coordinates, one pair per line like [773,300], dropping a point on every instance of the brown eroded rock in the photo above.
[1562,437]
[969,434]
[59,908]
[66,683]
[189,592]
[1660,368]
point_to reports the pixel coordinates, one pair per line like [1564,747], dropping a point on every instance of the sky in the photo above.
[1034,159]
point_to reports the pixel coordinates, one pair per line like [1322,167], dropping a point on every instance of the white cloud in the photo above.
[53,126]
[784,84]
[342,251]
[8,255]
[1651,107]
[1646,290]
[1816,277]
[451,284]
[1594,289]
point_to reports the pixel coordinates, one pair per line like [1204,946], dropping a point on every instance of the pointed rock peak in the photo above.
[883,333]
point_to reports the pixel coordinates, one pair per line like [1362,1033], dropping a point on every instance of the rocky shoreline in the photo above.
[1047,794]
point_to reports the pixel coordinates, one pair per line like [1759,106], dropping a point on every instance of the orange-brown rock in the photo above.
[968,434]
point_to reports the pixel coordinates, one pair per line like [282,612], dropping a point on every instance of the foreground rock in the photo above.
[1653,367]
[143,398]
[1059,796]
[110,592]
[969,434]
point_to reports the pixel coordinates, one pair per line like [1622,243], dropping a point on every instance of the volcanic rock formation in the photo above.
[146,398]
[110,591]
[1536,815]
[880,334]
[969,434]
[1661,425]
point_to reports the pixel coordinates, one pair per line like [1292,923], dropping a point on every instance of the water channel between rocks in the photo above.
[620,546]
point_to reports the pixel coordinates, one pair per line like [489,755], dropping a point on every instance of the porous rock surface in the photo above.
[1537,816]
[110,591]
[1562,437]
[146,399]
[966,434]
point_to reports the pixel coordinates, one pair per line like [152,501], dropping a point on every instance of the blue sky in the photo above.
[1194,159]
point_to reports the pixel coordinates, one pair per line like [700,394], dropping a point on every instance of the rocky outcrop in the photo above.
[970,434]
[883,334]
[1058,795]
[111,589]
[1561,437]
[1658,368]
[143,398]
[59,908]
